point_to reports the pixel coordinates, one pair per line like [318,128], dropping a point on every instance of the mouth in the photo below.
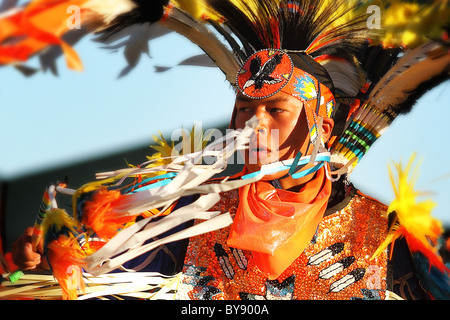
[259,155]
[256,146]
[260,150]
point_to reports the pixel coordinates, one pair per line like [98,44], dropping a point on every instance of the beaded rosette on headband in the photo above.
[270,71]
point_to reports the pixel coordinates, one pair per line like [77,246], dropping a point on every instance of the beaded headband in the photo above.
[269,71]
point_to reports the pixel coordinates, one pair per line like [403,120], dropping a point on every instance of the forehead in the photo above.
[279,98]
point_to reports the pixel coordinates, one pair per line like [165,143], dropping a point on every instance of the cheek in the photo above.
[240,119]
[239,122]
[293,134]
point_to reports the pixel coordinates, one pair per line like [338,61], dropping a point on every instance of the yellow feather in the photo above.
[197,9]
[411,24]
[58,218]
[389,239]
[411,215]
[193,142]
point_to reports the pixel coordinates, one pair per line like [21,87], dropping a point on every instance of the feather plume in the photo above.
[393,86]
[64,254]
[100,214]
[31,29]
[335,33]
[109,10]
[248,26]
[313,26]
[413,219]
[162,156]
[347,79]
[135,12]
[405,80]
[181,22]
[55,222]
[65,257]
[184,17]
[28,30]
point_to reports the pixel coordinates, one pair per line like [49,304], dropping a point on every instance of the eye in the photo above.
[245,109]
[276,110]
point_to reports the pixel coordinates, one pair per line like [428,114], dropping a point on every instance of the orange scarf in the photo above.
[276,225]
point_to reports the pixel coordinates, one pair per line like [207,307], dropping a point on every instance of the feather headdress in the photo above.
[405,54]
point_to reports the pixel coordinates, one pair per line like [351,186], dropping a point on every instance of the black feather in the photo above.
[144,12]
[292,25]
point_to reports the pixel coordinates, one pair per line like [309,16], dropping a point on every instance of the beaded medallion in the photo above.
[335,265]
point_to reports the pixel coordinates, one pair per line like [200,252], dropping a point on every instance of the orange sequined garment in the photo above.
[335,265]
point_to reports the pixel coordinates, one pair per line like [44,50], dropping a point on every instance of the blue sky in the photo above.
[49,120]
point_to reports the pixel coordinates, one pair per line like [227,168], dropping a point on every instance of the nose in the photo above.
[263,121]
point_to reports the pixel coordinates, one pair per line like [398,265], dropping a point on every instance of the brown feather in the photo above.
[414,69]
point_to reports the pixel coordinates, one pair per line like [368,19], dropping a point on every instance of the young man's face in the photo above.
[281,133]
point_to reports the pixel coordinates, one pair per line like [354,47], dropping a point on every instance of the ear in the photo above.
[327,128]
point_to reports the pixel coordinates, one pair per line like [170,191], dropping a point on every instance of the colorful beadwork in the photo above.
[264,74]
[270,71]
[367,126]
[336,265]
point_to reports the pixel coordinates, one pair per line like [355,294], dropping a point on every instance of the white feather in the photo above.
[110,9]
[181,22]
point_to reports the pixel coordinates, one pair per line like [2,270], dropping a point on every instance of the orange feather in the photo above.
[65,258]
[101,213]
